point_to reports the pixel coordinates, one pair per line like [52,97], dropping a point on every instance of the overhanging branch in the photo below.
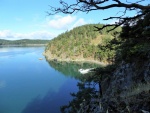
[92,5]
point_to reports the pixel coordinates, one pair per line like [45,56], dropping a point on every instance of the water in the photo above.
[30,85]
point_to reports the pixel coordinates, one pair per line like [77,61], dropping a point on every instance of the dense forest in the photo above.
[82,42]
[23,42]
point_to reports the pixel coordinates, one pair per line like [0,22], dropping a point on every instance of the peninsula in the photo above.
[82,43]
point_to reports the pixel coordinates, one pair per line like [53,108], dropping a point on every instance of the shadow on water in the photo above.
[42,105]
[52,101]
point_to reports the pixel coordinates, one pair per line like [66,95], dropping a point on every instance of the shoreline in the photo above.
[71,60]
[26,45]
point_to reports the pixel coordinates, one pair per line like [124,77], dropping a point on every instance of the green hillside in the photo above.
[80,43]
[22,42]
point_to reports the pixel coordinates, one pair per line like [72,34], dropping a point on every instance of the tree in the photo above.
[92,5]
[138,29]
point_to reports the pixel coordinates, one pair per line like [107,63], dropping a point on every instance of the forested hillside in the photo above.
[82,43]
[23,42]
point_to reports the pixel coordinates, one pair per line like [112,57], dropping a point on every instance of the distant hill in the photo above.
[23,42]
[80,43]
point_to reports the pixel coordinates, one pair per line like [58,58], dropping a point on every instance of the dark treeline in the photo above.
[22,42]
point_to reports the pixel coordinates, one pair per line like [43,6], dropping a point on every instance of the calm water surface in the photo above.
[30,85]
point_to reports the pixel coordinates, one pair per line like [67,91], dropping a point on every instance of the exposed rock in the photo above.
[128,90]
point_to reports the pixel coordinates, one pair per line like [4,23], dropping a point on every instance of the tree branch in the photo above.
[92,5]
[89,5]
[121,22]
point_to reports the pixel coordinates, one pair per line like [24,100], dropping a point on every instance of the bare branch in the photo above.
[121,22]
[92,5]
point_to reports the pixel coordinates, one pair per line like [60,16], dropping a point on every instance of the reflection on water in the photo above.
[87,99]
[33,85]
[71,68]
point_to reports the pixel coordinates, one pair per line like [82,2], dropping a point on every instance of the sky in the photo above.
[27,19]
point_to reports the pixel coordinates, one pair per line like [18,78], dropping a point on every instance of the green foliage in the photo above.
[107,52]
[138,29]
[131,51]
[81,42]
[135,38]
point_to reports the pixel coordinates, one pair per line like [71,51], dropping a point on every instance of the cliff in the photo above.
[127,90]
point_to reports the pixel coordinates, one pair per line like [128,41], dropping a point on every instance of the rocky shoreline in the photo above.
[50,57]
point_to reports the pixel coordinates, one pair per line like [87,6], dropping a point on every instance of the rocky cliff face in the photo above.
[128,88]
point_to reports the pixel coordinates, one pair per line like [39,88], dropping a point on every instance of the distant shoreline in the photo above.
[26,45]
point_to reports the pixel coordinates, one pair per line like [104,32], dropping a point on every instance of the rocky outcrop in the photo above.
[128,88]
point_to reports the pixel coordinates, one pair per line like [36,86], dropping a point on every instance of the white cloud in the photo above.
[60,22]
[7,34]
[64,22]
[48,29]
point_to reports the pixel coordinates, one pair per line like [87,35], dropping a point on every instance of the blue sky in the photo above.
[28,19]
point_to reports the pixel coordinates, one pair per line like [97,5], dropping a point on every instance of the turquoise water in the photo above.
[30,85]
